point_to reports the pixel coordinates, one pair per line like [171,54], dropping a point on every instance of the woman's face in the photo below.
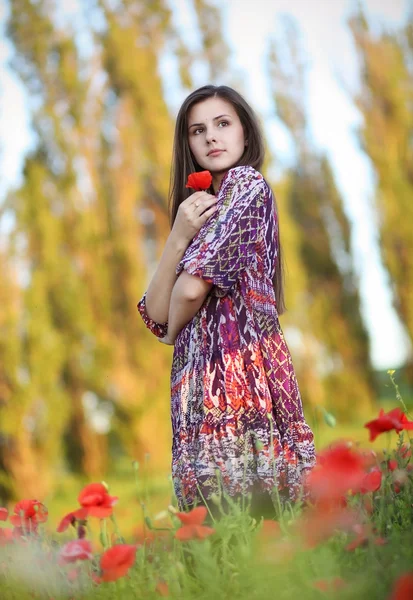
[214,124]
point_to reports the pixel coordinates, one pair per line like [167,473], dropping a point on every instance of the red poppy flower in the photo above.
[320,523]
[339,469]
[329,585]
[269,529]
[364,533]
[371,481]
[404,451]
[403,587]
[162,588]
[6,536]
[28,514]
[75,550]
[117,561]
[199,180]
[96,500]
[394,419]
[142,535]
[192,528]
[392,464]
[4,513]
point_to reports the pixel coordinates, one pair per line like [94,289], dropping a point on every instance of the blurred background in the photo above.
[89,94]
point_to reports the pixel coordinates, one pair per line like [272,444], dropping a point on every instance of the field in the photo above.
[350,539]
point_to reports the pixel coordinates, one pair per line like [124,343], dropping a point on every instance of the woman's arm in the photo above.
[188,295]
[192,214]
[159,292]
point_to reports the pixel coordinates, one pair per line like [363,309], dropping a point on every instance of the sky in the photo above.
[333,118]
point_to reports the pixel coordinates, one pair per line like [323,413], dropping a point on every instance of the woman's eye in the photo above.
[201,128]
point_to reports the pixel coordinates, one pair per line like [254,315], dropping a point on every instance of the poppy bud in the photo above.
[216,499]
[81,532]
[329,419]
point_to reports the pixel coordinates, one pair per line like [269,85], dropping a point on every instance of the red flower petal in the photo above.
[382,424]
[320,523]
[403,588]
[81,514]
[394,419]
[115,573]
[193,532]
[372,481]
[269,529]
[67,520]
[92,494]
[99,511]
[96,500]
[200,180]
[195,517]
[162,588]
[75,550]
[338,470]
[6,536]
[119,556]
[405,451]
[4,513]
[329,585]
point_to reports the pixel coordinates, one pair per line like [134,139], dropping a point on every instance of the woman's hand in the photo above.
[192,214]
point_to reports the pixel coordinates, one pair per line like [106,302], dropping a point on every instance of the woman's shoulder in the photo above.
[245,171]
[248,176]
[244,175]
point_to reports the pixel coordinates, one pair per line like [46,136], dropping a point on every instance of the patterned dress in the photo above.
[237,416]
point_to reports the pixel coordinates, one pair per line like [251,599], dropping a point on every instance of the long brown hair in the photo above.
[184,163]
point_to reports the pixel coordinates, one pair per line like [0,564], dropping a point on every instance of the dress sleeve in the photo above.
[225,244]
[158,329]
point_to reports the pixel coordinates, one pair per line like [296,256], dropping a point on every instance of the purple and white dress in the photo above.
[235,404]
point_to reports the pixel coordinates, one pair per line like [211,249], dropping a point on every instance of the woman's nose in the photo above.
[210,136]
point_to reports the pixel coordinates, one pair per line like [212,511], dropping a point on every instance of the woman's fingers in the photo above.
[209,211]
[204,202]
[199,197]
[193,213]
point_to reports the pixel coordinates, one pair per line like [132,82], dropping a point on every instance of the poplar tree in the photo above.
[330,317]
[63,351]
[385,101]
[214,49]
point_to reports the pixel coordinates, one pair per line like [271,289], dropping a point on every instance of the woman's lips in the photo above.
[215,153]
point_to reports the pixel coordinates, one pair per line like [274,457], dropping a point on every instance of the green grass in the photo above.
[237,561]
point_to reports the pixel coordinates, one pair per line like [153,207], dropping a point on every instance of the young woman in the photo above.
[237,419]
